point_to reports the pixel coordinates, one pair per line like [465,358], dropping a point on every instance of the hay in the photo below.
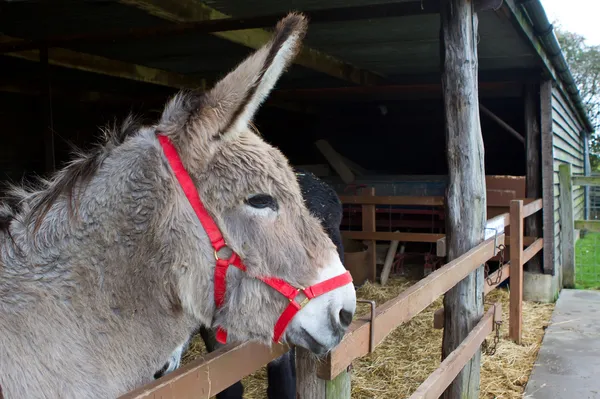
[413,351]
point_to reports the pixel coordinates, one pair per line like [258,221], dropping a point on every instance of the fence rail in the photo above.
[216,371]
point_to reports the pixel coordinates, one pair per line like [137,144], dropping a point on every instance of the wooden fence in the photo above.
[567,219]
[214,372]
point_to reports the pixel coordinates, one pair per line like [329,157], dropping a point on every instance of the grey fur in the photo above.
[105,269]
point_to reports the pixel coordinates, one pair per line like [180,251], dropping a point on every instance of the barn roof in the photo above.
[351,41]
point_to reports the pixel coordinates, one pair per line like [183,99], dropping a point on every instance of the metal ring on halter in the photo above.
[215,252]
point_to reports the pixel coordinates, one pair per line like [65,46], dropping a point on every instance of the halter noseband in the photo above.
[218,242]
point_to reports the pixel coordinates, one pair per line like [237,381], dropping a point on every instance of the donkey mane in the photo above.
[43,193]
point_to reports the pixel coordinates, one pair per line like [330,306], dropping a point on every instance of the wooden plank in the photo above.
[335,160]
[532,207]
[547,177]
[351,13]
[392,236]
[404,307]
[105,66]
[567,225]
[466,190]
[443,376]
[586,180]
[590,225]
[195,11]
[369,226]
[391,200]
[531,250]
[516,271]
[210,374]
[505,270]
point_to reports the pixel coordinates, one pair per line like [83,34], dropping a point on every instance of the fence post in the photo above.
[369,224]
[309,386]
[567,228]
[516,270]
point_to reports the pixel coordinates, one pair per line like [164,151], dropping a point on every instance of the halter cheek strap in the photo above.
[218,242]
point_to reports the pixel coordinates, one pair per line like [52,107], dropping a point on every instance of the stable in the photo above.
[471,103]
[367,85]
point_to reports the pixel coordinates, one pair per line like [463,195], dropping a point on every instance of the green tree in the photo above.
[584,63]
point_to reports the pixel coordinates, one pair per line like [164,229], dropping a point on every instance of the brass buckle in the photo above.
[304,302]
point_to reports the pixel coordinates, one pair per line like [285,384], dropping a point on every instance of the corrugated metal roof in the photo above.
[390,46]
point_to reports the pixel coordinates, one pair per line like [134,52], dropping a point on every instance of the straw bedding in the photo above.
[413,351]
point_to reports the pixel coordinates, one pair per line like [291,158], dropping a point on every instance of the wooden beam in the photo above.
[194,11]
[532,249]
[325,15]
[339,93]
[503,124]
[466,191]
[586,181]
[369,226]
[589,225]
[105,66]
[533,149]
[335,160]
[211,374]
[546,124]
[516,271]
[403,308]
[532,207]
[443,376]
[392,236]
[567,225]
[391,200]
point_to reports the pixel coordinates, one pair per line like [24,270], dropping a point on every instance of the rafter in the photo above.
[105,66]
[194,10]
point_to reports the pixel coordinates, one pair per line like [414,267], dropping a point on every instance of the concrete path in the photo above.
[568,364]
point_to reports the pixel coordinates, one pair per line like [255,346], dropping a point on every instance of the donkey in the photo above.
[109,266]
[322,202]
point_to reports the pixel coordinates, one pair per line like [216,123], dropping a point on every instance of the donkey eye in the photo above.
[261,201]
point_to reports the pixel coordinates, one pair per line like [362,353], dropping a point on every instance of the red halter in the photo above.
[218,242]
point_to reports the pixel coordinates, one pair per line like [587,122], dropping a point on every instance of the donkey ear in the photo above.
[235,99]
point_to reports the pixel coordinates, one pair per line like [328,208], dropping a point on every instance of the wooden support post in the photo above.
[516,270]
[309,386]
[369,225]
[547,176]
[466,192]
[46,111]
[336,161]
[533,224]
[567,225]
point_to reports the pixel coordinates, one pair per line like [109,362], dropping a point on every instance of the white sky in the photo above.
[579,16]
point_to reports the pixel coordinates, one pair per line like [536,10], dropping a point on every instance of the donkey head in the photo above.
[251,191]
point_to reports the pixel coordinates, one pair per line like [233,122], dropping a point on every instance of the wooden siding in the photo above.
[567,147]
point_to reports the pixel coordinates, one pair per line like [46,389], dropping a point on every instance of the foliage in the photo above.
[584,63]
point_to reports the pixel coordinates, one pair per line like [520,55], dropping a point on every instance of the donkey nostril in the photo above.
[345,318]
